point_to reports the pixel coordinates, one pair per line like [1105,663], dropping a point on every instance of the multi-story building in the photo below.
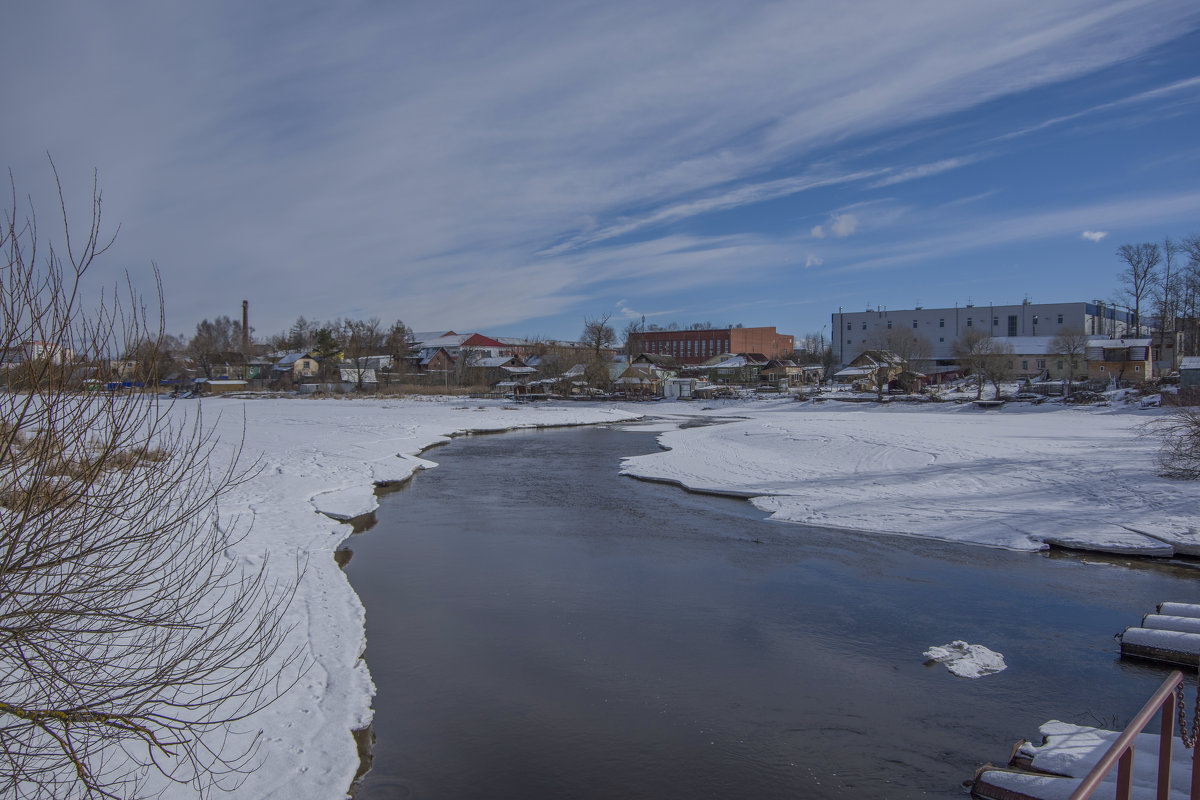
[856,331]
[697,346]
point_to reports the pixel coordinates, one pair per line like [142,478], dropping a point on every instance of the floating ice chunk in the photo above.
[967,660]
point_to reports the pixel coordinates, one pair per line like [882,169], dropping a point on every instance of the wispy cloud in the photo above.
[465,162]
[1094,236]
[925,170]
[1188,85]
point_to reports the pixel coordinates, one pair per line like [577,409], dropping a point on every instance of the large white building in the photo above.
[855,331]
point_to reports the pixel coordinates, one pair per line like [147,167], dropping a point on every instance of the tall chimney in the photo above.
[246,327]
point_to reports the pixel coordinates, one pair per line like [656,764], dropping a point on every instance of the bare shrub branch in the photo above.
[131,641]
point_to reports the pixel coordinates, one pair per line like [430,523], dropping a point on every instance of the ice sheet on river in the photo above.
[1021,479]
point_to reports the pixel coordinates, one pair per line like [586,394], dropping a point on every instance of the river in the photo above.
[540,627]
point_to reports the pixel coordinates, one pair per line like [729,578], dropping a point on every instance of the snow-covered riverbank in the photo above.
[1021,478]
[1014,478]
[326,456]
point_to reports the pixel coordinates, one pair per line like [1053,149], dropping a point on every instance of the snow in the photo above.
[967,660]
[320,459]
[1017,478]
[1022,478]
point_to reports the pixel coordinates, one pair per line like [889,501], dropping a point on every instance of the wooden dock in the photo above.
[1058,767]
[1169,636]
[1054,769]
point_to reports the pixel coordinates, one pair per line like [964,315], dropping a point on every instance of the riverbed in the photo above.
[540,626]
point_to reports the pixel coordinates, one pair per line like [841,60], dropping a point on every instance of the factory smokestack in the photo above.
[246,327]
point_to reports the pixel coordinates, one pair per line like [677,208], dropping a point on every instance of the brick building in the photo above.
[697,346]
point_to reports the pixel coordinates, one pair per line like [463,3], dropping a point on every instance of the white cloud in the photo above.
[843,225]
[817,232]
[1094,236]
[374,141]
[925,170]
[813,261]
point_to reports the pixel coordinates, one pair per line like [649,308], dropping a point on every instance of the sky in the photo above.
[516,167]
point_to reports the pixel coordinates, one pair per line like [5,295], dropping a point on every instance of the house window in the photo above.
[1060,365]
[1102,368]
[1024,364]
[1137,368]
[1041,364]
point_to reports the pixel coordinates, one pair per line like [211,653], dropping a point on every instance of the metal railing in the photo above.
[1121,751]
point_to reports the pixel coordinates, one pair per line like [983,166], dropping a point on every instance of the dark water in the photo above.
[539,627]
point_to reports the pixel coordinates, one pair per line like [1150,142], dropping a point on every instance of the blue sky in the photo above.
[515,167]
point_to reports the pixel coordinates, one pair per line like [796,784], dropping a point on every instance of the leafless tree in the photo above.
[598,334]
[1071,344]
[1167,294]
[997,363]
[130,643]
[631,336]
[213,341]
[1179,443]
[973,351]
[363,344]
[1138,276]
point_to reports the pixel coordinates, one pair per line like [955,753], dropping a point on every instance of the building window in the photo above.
[995,322]
[849,341]
[1102,368]
[1060,319]
[914,323]
[969,322]
[849,326]
[864,326]
[1137,368]
[941,338]
[1041,363]
[889,324]
[1035,319]
[1060,365]
[941,323]
[1024,364]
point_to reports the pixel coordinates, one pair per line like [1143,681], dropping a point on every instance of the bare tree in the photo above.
[364,342]
[129,641]
[213,341]
[1179,443]
[1138,276]
[996,364]
[598,334]
[1071,344]
[972,351]
[1166,293]
[631,336]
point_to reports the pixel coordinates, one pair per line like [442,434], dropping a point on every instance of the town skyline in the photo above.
[516,172]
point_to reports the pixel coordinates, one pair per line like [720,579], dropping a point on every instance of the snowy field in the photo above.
[1016,478]
[1022,477]
[320,458]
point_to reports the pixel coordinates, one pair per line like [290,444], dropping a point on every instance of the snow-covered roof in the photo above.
[1189,362]
[854,372]
[496,361]
[455,340]
[1114,343]
[518,370]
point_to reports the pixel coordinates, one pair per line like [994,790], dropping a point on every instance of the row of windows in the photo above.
[691,347]
[1012,323]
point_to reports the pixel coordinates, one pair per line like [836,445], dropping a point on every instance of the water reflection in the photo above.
[540,627]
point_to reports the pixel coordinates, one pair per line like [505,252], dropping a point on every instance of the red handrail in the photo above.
[1121,752]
